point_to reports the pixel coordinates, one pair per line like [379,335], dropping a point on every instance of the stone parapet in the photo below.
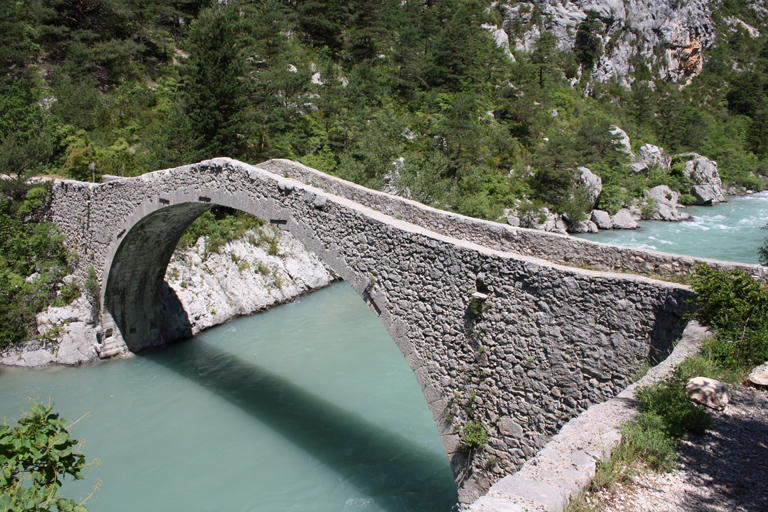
[552,247]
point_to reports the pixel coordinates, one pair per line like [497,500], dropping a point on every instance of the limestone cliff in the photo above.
[264,268]
[668,36]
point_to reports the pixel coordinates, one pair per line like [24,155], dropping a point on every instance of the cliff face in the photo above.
[668,36]
[264,268]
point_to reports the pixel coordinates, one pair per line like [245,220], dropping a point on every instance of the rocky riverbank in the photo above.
[703,186]
[261,269]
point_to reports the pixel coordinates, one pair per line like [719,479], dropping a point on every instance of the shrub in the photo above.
[68,292]
[688,199]
[36,455]
[473,436]
[669,402]
[736,306]
[648,440]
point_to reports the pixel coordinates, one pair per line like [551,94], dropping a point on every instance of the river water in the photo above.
[729,231]
[307,407]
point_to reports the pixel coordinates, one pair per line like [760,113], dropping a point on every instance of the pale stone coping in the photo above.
[568,462]
[410,226]
[555,248]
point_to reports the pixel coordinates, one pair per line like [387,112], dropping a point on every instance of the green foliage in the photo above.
[674,413]
[67,293]
[473,436]
[33,260]
[218,226]
[648,440]
[92,283]
[36,455]
[732,302]
[666,414]
[588,46]
[763,250]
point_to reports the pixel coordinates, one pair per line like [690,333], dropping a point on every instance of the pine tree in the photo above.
[216,91]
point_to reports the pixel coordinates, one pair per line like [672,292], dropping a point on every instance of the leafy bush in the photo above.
[764,250]
[648,440]
[736,306]
[36,455]
[219,226]
[473,436]
[33,260]
[669,402]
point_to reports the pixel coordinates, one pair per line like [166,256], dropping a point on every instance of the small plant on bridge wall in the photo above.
[477,306]
[473,436]
[92,283]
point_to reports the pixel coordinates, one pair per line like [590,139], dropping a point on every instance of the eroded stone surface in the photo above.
[759,376]
[709,392]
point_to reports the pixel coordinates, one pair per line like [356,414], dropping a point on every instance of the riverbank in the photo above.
[263,268]
[728,231]
[722,471]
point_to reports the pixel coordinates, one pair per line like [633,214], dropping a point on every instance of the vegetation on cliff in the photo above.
[33,261]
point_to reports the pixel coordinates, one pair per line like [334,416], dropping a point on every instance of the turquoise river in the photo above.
[307,407]
[730,231]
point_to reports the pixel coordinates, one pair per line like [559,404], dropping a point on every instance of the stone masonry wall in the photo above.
[536,345]
[553,247]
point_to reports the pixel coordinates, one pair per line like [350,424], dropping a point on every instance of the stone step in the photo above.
[109,349]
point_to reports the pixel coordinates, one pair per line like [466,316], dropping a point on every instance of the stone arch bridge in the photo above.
[495,336]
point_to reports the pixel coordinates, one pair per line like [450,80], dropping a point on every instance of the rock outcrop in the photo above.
[262,269]
[623,219]
[707,185]
[592,184]
[665,201]
[602,219]
[649,156]
[636,30]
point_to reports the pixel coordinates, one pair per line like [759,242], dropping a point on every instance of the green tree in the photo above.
[588,47]
[764,250]
[36,455]
[217,95]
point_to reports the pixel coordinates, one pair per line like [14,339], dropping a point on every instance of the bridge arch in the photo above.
[514,343]
[137,260]
[138,255]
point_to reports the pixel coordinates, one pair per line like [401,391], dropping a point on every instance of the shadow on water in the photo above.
[383,465]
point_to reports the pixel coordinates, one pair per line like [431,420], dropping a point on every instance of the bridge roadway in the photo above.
[495,337]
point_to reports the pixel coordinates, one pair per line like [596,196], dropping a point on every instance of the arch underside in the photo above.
[133,292]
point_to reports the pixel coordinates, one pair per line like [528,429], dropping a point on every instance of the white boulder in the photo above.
[623,219]
[708,392]
[592,183]
[665,200]
[707,185]
[601,219]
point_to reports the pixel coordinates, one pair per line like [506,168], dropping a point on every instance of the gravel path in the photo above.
[725,470]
